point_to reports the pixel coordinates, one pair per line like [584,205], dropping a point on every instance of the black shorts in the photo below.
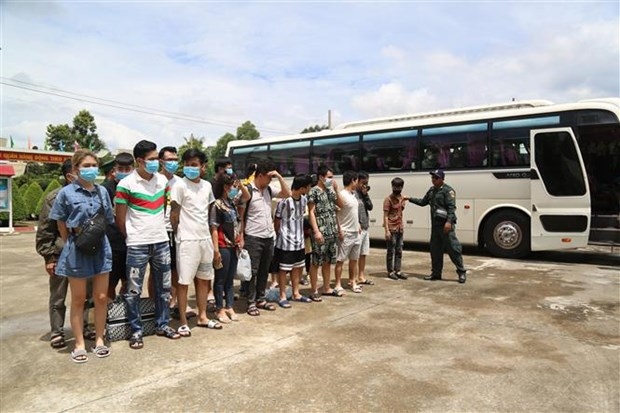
[287,260]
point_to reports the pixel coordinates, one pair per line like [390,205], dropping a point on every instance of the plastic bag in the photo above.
[244,266]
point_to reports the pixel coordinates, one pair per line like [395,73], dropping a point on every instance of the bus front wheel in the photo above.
[507,234]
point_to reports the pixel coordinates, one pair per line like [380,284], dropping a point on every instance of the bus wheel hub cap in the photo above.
[507,235]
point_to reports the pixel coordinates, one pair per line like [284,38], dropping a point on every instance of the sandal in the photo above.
[101,351]
[356,289]
[211,305]
[184,331]
[58,342]
[303,299]
[366,282]
[223,319]
[79,356]
[232,316]
[316,297]
[89,334]
[253,311]
[211,324]
[284,304]
[336,292]
[136,342]
[264,305]
[168,332]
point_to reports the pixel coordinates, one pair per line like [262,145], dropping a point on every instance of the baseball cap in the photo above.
[438,173]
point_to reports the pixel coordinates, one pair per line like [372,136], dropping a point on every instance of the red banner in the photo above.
[33,156]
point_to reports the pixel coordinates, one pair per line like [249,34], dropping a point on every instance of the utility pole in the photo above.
[329,118]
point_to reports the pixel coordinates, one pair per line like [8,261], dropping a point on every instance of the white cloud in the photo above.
[283,66]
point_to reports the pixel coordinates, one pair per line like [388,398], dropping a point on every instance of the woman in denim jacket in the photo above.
[74,204]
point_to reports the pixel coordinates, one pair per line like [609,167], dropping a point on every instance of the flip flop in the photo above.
[223,320]
[366,282]
[79,356]
[316,297]
[303,299]
[101,351]
[184,331]
[168,332]
[211,324]
[336,292]
[136,342]
[284,304]
[264,305]
[357,289]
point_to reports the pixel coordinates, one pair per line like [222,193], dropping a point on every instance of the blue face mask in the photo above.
[151,166]
[233,193]
[171,166]
[329,182]
[191,172]
[89,174]
[121,175]
[229,171]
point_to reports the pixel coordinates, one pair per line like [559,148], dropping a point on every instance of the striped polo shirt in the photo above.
[145,200]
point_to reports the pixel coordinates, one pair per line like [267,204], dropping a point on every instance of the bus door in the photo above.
[560,198]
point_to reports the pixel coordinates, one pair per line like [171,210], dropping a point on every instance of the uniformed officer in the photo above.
[442,200]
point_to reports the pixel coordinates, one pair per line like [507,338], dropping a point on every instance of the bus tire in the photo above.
[507,234]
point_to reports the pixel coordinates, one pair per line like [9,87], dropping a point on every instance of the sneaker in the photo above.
[392,276]
[401,275]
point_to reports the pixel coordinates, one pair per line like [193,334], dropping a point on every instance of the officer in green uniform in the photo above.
[442,200]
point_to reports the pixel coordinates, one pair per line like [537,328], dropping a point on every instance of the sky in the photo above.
[164,70]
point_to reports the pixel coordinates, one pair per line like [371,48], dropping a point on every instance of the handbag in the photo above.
[90,239]
[244,266]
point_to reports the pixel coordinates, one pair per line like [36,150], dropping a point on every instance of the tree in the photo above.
[315,128]
[85,132]
[219,149]
[54,184]
[19,209]
[192,142]
[31,198]
[59,138]
[247,131]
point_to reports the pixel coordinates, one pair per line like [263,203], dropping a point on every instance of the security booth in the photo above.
[6,193]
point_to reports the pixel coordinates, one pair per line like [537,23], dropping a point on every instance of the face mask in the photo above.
[229,171]
[233,193]
[121,175]
[151,166]
[89,174]
[397,191]
[171,166]
[191,172]
[328,182]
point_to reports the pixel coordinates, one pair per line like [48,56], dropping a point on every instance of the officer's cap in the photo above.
[438,173]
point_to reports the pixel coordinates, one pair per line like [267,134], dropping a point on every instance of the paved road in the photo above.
[537,335]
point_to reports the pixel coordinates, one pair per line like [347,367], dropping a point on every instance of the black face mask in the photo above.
[397,191]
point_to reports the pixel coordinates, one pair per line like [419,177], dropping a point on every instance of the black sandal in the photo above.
[253,311]
[168,332]
[264,305]
[58,342]
[136,342]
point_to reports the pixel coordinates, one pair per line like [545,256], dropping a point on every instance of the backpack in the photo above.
[247,204]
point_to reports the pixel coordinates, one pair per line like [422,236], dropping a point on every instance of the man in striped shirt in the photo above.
[140,204]
[290,250]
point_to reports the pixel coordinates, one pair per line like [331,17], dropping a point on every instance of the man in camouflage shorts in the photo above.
[322,201]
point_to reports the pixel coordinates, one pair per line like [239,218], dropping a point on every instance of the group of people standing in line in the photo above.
[189,230]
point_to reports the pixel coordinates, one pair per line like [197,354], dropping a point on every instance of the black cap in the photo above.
[438,173]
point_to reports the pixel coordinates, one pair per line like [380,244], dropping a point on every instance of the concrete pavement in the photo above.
[532,335]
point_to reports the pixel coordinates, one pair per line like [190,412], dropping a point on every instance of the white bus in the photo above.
[529,176]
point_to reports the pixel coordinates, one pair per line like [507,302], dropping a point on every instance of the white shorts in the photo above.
[194,259]
[364,242]
[349,247]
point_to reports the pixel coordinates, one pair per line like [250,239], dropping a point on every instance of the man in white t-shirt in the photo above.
[349,234]
[189,202]
[140,203]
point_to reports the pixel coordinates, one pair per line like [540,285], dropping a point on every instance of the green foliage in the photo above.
[315,128]
[19,209]
[31,198]
[219,149]
[197,143]
[50,187]
[247,131]
[84,132]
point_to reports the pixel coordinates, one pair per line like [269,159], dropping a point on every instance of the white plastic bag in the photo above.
[244,266]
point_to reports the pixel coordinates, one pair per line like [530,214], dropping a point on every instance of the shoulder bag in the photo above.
[90,239]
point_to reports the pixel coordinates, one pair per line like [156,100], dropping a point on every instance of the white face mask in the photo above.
[329,182]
